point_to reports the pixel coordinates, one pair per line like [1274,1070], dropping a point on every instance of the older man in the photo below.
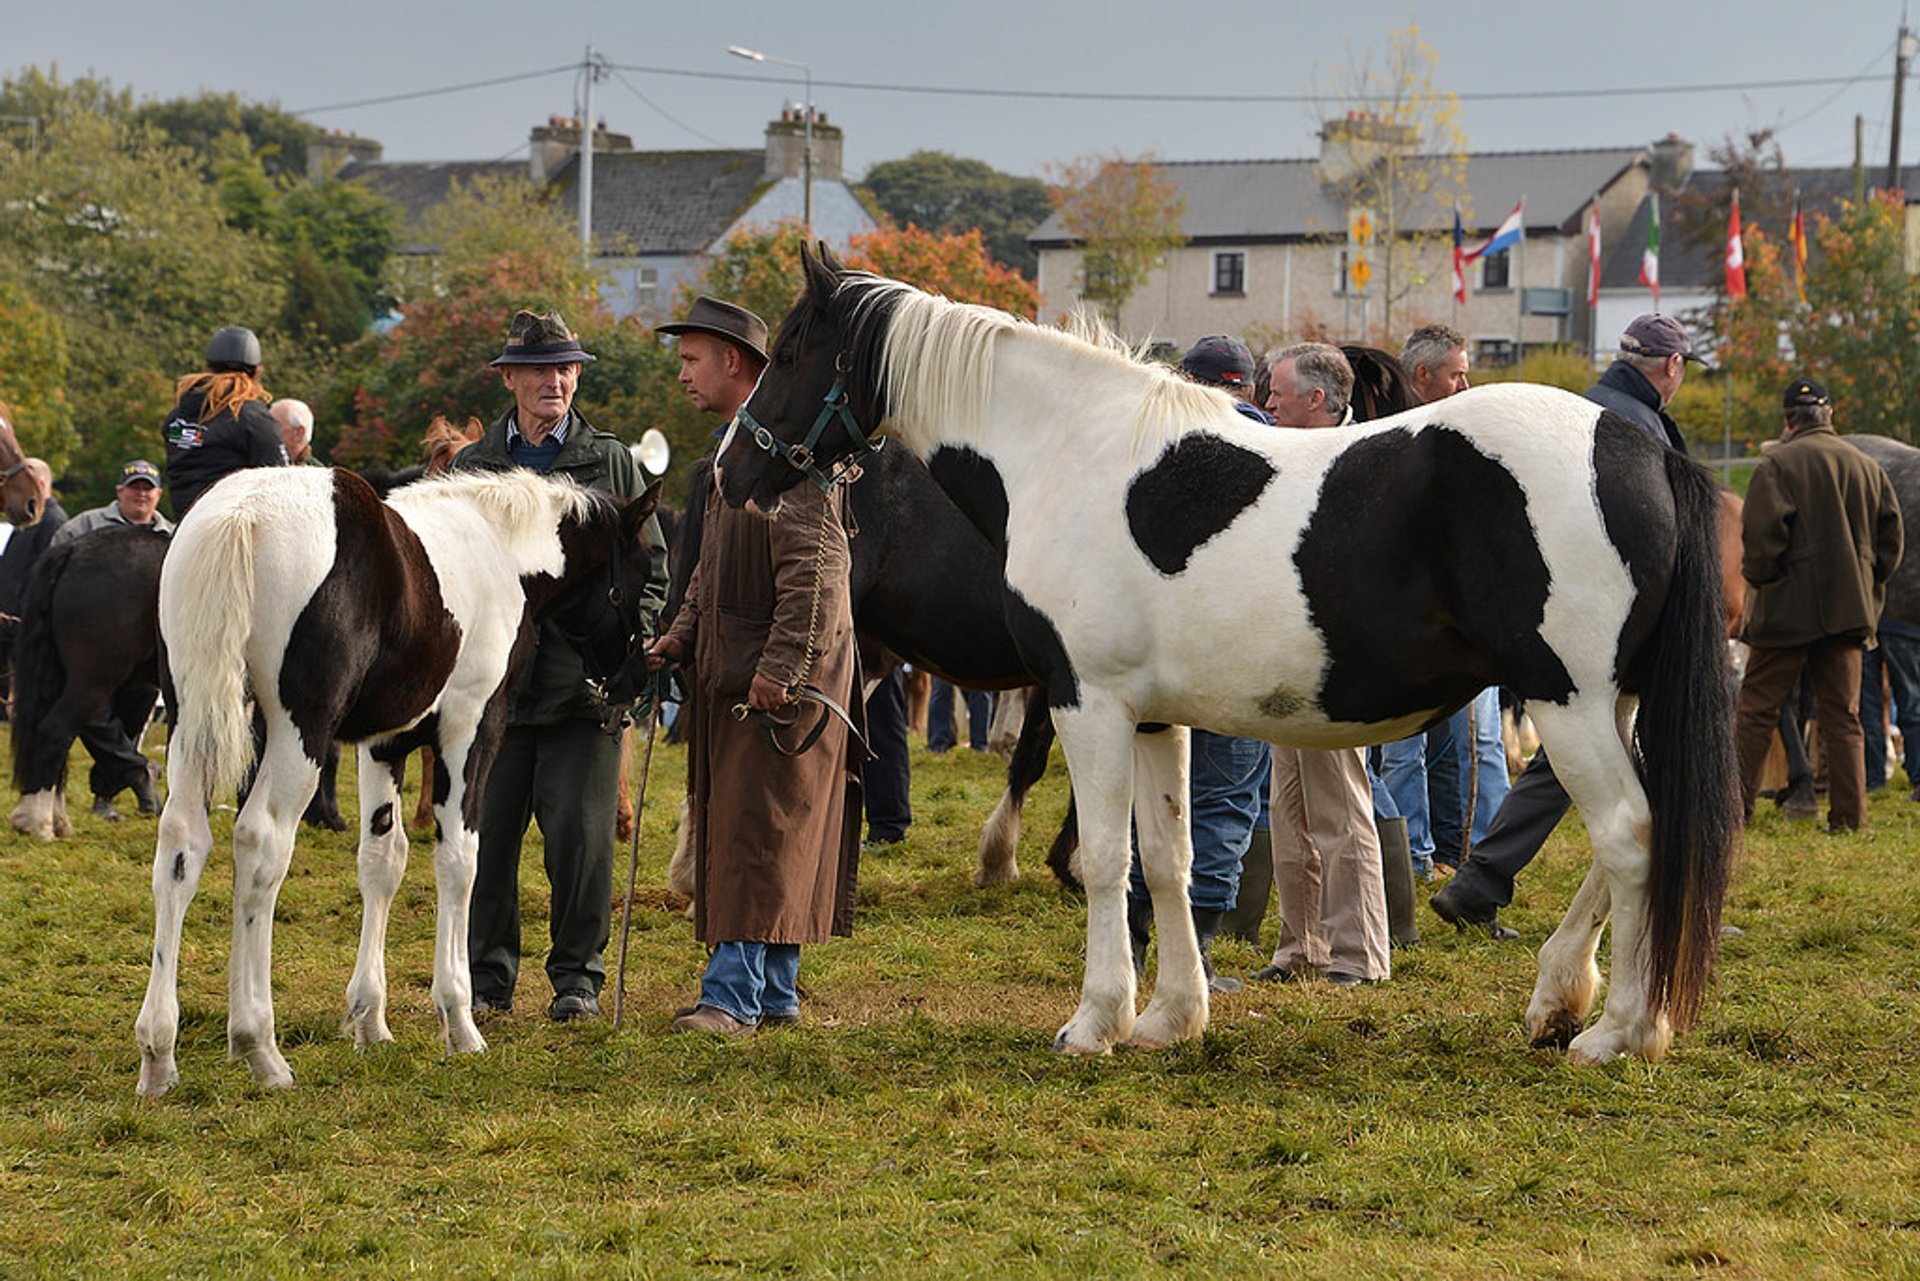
[112,737]
[555,765]
[1326,851]
[768,616]
[1638,386]
[23,548]
[295,418]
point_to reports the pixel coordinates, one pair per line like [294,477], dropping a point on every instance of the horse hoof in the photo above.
[1555,1030]
[1065,1044]
[1146,1044]
[156,1080]
[988,877]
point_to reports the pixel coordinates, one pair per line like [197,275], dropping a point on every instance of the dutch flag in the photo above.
[1506,235]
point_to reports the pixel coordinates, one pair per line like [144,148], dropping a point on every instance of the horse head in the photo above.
[1381,387]
[820,401]
[599,607]
[17,485]
[444,441]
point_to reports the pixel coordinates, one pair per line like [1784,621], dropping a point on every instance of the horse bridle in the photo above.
[627,615]
[835,411]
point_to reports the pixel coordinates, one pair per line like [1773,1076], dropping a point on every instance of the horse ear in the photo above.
[821,271]
[635,513]
[830,262]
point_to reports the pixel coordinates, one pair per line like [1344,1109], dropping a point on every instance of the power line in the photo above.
[435,93]
[663,113]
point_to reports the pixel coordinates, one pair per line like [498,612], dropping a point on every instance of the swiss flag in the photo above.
[1736,256]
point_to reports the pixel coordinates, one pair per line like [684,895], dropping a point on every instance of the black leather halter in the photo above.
[836,411]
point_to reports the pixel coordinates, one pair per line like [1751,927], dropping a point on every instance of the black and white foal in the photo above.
[390,625]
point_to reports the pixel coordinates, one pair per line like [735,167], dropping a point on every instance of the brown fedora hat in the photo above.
[723,320]
[536,339]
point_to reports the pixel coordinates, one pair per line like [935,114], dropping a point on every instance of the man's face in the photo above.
[1448,378]
[138,501]
[542,394]
[706,373]
[1289,404]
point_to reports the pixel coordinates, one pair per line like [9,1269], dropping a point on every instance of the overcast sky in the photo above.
[315,57]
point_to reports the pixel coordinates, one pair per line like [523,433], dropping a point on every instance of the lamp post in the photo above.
[806,72]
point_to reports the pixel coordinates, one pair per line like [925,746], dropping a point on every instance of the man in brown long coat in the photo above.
[1820,537]
[768,614]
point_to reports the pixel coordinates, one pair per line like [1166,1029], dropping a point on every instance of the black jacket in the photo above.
[199,453]
[1626,391]
[23,549]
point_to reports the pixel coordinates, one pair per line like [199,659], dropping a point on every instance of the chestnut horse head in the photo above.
[17,484]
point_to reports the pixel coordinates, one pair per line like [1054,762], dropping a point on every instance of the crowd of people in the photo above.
[1339,837]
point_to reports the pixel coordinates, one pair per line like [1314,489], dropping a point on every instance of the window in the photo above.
[1493,353]
[1494,269]
[1341,261]
[1230,272]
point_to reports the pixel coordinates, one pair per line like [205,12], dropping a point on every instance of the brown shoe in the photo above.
[704,1018]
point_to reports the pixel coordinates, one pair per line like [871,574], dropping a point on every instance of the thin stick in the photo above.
[633,866]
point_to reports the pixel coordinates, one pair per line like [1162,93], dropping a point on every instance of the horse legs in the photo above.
[1593,764]
[1098,738]
[262,851]
[383,861]
[1178,1009]
[423,810]
[1025,767]
[179,856]
[456,855]
[41,762]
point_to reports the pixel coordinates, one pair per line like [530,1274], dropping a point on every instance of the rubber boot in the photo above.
[1206,924]
[1140,931]
[1396,867]
[1256,889]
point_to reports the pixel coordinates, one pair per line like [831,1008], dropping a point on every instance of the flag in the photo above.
[1736,256]
[1797,235]
[1650,260]
[1509,233]
[1593,252]
[1459,260]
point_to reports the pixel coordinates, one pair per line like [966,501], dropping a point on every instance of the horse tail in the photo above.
[1685,737]
[206,620]
[39,671]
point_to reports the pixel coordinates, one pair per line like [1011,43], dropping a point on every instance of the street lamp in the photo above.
[754,55]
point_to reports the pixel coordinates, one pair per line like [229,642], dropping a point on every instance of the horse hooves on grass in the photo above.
[1556,1030]
[1062,1045]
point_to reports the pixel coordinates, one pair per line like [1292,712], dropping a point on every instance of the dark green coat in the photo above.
[553,688]
[1820,537]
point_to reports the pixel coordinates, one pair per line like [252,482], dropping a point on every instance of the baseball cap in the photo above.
[138,470]
[1804,391]
[1219,360]
[1657,335]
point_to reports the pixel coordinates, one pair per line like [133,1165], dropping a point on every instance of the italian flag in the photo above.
[1650,259]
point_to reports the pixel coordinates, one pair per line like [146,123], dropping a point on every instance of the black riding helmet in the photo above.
[235,347]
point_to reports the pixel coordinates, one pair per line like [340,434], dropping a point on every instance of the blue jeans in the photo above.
[1227,781]
[1899,657]
[1403,772]
[752,980]
[1493,784]
[940,736]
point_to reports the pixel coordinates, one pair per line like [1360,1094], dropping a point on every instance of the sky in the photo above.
[1618,74]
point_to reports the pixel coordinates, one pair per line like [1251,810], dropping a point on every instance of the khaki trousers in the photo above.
[1326,865]
[1833,669]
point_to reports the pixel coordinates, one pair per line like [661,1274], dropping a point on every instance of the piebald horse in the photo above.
[390,625]
[1169,563]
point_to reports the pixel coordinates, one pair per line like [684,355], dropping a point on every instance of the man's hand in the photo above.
[665,652]
[765,696]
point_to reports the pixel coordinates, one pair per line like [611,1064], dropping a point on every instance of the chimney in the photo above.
[552,144]
[1672,163]
[330,152]
[1360,140]
[787,146]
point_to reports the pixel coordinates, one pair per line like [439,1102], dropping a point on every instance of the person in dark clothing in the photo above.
[220,423]
[1638,386]
[887,779]
[16,566]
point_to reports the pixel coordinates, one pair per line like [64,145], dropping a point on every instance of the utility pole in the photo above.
[1859,160]
[596,68]
[1904,50]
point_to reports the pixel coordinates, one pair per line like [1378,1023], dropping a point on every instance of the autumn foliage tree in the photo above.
[1861,331]
[1124,215]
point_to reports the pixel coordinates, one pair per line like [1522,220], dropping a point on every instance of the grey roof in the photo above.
[1251,201]
[667,202]
[1688,265]
[418,186]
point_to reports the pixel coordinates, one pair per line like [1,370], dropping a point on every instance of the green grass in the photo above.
[919,1122]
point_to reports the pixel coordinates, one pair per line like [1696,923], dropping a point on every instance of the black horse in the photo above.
[926,587]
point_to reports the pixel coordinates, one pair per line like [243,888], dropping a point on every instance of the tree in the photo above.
[955,266]
[203,123]
[946,193]
[1125,214]
[33,377]
[1394,147]
[1861,333]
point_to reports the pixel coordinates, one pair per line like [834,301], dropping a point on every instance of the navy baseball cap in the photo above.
[138,470]
[1220,361]
[1804,391]
[1657,335]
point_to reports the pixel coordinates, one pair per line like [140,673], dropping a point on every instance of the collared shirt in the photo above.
[101,518]
[559,432]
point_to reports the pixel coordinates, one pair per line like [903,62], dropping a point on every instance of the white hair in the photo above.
[295,414]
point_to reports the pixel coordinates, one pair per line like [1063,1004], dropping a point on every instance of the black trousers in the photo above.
[566,778]
[886,782]
[1533,808]
[112,738]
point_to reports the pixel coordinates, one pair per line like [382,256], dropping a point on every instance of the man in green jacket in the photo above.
[1820,537]
[555,764]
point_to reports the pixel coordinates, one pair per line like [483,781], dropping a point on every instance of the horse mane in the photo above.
[517,503]
[934,357]
[443,442]
[1381,387]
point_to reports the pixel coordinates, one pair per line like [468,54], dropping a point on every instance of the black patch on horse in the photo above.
[1636,506]
[1041,648]
[973,483]
[1421,570]
[375,644]
[1195,490]
[382,819]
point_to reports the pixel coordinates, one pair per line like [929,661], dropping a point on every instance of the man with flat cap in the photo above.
[1639,385]
[768,617]
[1820,536]
[555,766]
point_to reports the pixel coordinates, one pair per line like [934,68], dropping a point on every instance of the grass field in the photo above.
[919,1123]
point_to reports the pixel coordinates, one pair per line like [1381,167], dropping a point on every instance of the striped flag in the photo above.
[1650,259]
[1797,236]
[1593,252]
[1736,256]
[1459,260]
[1510,232]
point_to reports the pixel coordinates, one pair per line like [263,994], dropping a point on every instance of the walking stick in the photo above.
[633,861]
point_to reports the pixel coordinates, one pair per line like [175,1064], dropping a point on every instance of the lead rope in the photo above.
[812,652]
